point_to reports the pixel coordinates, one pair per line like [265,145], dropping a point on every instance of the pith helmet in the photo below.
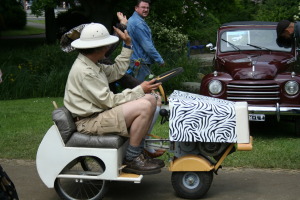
[94,35]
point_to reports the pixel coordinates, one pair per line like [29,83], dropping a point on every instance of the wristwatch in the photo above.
[155,95]
[126,46]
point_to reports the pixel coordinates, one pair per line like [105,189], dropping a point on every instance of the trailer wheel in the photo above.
[191,185]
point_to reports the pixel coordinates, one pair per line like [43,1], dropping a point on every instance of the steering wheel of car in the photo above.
[164,77]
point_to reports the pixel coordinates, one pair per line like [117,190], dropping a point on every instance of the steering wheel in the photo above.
[169,74]
[164,77]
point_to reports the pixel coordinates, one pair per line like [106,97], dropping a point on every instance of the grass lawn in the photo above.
[41,21]
[24,122]
[28,30]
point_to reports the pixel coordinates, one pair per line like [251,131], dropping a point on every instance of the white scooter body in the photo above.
[53,156]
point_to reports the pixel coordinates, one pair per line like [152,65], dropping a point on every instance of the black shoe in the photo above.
[140,165]
[159,162]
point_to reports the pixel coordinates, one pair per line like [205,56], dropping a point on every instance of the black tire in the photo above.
[76,189]
[191,185]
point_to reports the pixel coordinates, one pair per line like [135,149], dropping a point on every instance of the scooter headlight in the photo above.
[291,87]
[215,87]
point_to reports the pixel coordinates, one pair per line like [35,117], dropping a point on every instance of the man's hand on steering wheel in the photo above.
[149,86]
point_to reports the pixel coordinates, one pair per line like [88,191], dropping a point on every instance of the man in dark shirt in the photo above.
[287,33]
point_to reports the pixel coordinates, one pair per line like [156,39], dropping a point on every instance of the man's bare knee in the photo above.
[146,105]
[151,99]
[138,107]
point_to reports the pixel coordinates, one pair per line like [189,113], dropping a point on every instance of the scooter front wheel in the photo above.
[191,185]
[77,188]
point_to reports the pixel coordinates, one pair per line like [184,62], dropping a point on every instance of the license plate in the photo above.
[257,117]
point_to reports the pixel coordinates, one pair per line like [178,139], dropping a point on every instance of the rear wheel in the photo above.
[91,163]
[77,188]
[191,185]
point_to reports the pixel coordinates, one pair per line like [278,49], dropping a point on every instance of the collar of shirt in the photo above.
[90,63]
[136,15]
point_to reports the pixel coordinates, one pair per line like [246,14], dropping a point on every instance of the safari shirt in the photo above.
[87,89]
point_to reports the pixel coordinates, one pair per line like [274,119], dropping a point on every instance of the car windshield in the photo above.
[252,39]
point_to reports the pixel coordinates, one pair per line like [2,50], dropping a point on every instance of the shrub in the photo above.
[169,39]
[42,70]
[273,10]
[13,14]
[39,71]
[205,29]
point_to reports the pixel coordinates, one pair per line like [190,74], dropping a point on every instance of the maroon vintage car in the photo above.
[250,66]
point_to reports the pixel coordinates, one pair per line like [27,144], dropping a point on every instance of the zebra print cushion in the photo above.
[197,118]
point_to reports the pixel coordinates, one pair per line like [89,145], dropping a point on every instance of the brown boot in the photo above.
[140,165]
[159,162]
[157,153]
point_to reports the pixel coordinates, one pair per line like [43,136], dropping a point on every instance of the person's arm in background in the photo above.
[122,26]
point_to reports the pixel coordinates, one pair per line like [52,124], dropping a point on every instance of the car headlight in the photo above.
[291,87]
[215,87]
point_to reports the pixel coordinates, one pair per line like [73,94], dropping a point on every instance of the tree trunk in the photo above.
[24,5]
[100,11]
[50,25]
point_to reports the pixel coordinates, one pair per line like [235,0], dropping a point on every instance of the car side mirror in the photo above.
[211,47]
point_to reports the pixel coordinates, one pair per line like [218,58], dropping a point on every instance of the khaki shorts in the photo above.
[108,122]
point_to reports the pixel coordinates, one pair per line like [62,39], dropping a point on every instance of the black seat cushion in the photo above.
[105,141]
[64,122]
[67,128]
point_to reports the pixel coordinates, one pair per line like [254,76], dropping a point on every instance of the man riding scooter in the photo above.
[97,110]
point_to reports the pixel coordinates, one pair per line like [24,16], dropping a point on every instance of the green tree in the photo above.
[47,6]
[181,14]
[101,11]
[173,23]
[197,19]
[274,10]
[232,10]
[12,15]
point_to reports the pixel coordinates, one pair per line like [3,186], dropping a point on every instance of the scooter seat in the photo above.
[107,141]
[67,128]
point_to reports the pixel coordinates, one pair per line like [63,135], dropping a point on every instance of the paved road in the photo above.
[231,183]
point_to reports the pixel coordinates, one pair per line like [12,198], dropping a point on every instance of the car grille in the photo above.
[253,92]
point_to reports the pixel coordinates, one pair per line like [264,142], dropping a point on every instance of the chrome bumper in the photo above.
[276,110]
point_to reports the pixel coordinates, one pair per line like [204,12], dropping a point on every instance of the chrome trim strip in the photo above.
[274,110]
[252,86]
[252,98]
[244,92]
